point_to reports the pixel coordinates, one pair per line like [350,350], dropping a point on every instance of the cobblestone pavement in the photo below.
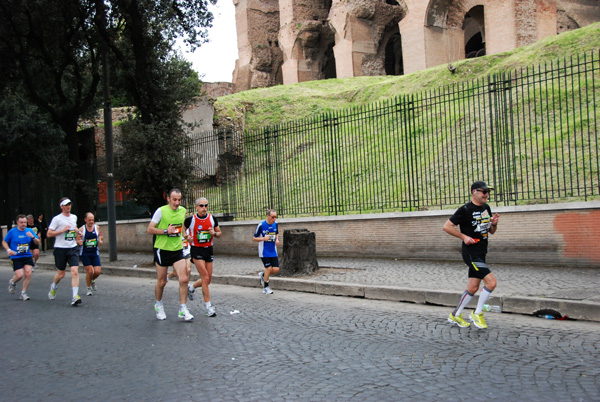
[286,346]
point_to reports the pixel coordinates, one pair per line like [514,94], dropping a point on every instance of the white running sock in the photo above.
[483,297]
[75,290]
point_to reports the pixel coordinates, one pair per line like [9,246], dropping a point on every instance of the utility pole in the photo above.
[110,162]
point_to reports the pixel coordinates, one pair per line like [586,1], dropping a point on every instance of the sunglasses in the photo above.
[483,191]
[202,205]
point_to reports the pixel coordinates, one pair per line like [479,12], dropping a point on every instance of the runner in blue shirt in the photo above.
[17,244]
[267,236]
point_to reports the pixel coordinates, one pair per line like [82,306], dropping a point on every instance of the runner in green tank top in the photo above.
[166,225]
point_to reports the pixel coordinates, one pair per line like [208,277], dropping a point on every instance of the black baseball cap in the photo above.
[480,185]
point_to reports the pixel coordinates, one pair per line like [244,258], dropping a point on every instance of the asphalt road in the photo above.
[285,346]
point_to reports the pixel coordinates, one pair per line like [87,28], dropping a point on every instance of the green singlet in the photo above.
[170,242]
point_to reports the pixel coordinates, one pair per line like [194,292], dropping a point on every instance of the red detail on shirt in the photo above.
[201,225]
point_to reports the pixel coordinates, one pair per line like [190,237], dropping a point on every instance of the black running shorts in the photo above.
[202,253]
[477,266]
[66,256]
[270,262]
[19,263]
[165,258]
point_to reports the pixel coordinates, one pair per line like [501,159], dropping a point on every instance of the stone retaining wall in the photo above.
[559,234]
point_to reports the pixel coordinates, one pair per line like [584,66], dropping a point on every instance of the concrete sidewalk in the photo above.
[521,289]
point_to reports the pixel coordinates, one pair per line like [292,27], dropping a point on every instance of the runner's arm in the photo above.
[450,228]
[7,247]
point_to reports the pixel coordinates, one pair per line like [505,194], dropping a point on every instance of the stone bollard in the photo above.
[299,253]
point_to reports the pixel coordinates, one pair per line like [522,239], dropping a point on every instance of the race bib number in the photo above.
[272,238]
[91,243]
[204,236]
[177,231]
[70,235]
[22,248]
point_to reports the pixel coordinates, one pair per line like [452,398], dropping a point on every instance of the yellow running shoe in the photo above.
[478,320]
[458,320]
[75,301]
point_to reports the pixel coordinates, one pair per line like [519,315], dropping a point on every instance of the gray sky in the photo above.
[216,59]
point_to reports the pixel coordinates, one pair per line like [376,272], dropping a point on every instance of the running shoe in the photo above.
[76,300]
[267,290]
[184,314]
[191,291]
[11,287]
[24,296]
[52,294]
[458,320]
[94,288]
[261,275]
[160,312]
[210,311]
[478,320]
[89,291]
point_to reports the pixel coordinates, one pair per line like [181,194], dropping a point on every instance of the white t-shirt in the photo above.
[66,239]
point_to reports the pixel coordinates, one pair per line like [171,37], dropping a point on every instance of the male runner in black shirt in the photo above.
[476,222]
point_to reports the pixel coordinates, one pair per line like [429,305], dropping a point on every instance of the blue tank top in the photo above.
[90,242]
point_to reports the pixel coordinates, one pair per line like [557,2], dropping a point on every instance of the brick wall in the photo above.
[560,234]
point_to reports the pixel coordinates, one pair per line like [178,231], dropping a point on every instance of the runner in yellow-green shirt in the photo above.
[166,226]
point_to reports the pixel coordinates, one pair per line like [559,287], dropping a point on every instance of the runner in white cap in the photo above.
[63,228]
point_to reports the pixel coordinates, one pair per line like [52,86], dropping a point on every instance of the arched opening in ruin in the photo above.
[392,2]
[474,32]
[564,22]
[393,62]
[328,69]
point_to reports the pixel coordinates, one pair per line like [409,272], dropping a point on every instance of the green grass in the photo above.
[269,106]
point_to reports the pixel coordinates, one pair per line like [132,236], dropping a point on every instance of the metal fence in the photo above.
[531,133]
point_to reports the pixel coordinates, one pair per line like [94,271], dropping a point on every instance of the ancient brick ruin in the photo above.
[291,41]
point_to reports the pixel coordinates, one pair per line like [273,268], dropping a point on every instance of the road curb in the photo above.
[574,309]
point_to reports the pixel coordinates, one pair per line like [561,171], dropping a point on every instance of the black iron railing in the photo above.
[531,133]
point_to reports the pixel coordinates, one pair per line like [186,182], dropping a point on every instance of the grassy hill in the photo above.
[268,106]
[415,142]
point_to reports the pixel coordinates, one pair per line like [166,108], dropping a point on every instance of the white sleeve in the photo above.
[53,224]
[157,216]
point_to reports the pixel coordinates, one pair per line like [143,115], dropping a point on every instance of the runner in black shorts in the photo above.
[203,228]
[476,223]
[166,226]
[63,228]
[266,235]
[17,244]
